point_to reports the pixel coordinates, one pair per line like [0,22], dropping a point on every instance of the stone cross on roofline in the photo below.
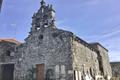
[42,2]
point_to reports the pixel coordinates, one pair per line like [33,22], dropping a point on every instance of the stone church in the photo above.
[49,53]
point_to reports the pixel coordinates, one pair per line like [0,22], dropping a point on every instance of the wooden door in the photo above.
[7,71]
[40,71]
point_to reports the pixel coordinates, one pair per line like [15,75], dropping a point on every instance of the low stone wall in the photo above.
[115,78]
[115,69]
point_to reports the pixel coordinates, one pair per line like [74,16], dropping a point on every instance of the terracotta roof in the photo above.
[12,40]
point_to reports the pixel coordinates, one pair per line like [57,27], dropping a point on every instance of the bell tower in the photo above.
[45,17]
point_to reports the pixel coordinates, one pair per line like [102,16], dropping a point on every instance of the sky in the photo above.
[91,20]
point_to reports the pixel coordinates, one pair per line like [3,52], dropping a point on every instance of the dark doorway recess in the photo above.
[7,71]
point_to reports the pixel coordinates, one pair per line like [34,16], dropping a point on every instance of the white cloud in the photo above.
[92,2]
[12,24]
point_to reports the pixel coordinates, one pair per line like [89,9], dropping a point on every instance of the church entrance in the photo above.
[40,71]
[7,71]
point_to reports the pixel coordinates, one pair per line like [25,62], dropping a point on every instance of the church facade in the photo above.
[49,53]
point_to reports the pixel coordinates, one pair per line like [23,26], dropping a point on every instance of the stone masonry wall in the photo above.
[106,64]
[51,47]
[115,69]
[103,59]
[85,60]
[7,52]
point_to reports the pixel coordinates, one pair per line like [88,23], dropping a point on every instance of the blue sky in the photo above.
[91,20]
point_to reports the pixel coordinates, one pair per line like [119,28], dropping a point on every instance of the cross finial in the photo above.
[42,2]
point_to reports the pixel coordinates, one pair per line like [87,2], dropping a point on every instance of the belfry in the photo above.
[45,17]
